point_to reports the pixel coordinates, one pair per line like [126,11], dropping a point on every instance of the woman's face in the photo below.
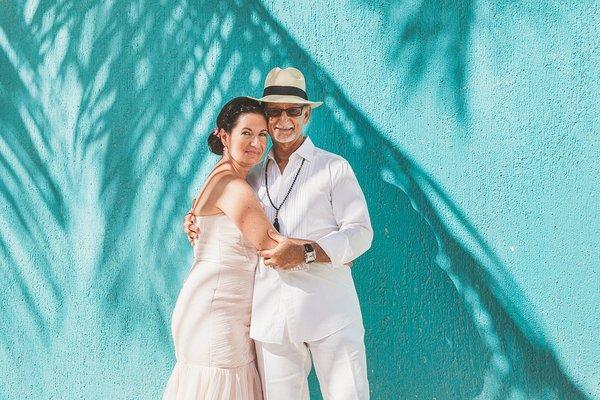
[248,139]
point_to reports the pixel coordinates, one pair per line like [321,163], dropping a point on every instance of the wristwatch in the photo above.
[309,254]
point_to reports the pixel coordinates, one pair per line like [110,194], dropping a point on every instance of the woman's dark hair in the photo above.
[228,117]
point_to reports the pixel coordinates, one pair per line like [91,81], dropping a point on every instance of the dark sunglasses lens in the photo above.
[273,112]
[294,111]
[291,112]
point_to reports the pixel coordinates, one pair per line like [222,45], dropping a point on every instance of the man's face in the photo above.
[283,127]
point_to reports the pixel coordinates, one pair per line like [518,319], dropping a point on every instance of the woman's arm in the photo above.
[238,201]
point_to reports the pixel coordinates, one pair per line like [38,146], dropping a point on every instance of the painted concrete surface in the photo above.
[472,127]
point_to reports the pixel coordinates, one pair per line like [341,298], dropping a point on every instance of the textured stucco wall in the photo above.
[472,127]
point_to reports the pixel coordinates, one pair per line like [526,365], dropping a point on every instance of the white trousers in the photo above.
[339,359]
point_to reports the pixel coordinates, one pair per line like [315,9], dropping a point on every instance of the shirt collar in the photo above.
[306,151]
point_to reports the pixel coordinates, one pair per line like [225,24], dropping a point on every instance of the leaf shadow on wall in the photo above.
[439,323]
[428,34]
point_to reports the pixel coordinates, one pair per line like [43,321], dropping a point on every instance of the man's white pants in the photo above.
[339,360]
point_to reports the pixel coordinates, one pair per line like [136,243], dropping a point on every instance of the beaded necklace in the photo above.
[276,221]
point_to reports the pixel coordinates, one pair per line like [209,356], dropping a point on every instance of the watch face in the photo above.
[309,253]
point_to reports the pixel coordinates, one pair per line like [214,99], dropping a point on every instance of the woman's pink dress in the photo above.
[211,320]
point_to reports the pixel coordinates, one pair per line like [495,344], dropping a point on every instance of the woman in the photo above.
[211,320]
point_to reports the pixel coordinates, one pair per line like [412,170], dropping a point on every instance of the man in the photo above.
[305,304]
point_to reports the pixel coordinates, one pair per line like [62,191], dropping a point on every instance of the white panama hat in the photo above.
[286,86]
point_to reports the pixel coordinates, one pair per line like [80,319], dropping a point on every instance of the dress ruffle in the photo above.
[195,382]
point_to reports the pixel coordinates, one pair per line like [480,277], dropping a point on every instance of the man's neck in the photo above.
[283,151]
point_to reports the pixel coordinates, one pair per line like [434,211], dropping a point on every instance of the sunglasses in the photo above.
[291,112]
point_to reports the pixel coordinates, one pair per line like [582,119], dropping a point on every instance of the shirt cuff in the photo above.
[336,245]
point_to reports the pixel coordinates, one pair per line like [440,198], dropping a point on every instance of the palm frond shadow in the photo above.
[149,83]
[426,35]
[26,181]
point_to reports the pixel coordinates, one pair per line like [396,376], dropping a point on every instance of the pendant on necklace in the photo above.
[276,224]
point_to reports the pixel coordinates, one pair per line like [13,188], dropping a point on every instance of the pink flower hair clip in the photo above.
[217,132]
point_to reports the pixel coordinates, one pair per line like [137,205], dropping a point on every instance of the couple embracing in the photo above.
[271,288]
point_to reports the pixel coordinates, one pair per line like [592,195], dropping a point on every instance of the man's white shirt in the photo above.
[325,205]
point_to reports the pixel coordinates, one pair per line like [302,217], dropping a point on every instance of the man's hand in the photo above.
[287,254]
[189,226]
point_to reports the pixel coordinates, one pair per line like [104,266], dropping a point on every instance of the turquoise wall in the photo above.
[472,127]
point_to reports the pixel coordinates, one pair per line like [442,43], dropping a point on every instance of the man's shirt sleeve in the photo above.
[355,233]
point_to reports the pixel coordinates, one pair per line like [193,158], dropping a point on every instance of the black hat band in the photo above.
[285,91]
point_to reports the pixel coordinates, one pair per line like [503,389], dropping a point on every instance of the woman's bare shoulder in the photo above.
[234,185]
[221,183]
[226,182]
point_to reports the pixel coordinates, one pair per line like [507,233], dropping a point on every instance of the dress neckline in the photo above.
[211,215]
